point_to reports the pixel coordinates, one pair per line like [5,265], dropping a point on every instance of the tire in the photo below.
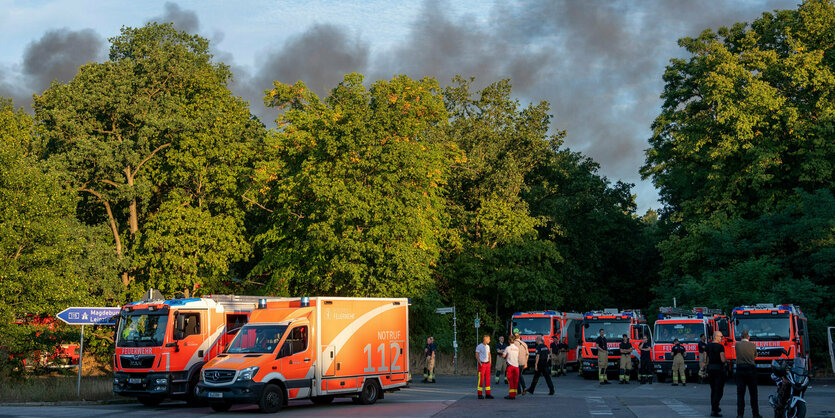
[272,399]
[800,410]
[150,401]
[192,399]
[220,406]
[370,392]
[322,400]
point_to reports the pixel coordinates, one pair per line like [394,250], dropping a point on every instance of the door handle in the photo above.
[307,360]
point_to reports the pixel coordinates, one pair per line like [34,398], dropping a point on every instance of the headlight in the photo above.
[247,374]
[162,381]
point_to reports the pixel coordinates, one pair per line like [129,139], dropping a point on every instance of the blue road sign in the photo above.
[89,316]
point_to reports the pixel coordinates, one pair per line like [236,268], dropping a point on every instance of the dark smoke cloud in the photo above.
[599,63]
[57,56]
[320,57]
[184,20]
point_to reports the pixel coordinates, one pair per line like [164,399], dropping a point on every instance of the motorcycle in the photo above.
[792,382]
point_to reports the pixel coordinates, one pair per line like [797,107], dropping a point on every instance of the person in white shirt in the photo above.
[482,358]
[511,355]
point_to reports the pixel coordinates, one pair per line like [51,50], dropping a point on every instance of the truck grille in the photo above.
[687,356]
[218,376]
[136,362]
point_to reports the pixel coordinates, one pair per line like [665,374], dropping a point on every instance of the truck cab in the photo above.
[615,323]
[161,345]
[687,326]
[773,328]
[551,326]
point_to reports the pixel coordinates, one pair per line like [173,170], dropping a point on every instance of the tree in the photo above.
[354,185]
[748,117]
[149,132]
[49,259]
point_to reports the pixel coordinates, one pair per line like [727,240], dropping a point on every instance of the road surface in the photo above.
[455,397]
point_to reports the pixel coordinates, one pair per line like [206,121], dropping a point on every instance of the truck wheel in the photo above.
[370,392]
[272,399]
[192,399]
[150,401]
[322,400]
[220,407]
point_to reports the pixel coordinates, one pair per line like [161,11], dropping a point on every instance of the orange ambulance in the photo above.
[312,348]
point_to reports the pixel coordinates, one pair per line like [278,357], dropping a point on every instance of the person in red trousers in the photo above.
[483,359]
[511,354]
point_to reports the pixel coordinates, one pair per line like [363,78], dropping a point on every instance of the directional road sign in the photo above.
[444,310]
[89,316]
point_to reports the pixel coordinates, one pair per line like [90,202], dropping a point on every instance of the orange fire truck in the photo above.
[161,345]
[312,348]
[773,328]
[563,326]
[687,326]
[615,323]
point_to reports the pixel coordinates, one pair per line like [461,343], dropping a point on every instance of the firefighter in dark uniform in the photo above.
[625,360]
[678,351]
[560,354]
[541,365]
[645,370]
[602,357]
[702,359]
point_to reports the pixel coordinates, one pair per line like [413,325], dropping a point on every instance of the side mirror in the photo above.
[175,345]
[585,325]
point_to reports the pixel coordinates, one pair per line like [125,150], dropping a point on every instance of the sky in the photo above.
[598,63]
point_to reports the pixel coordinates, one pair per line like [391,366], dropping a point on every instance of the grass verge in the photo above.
[56,389]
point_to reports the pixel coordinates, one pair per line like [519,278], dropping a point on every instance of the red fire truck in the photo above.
[562,326]
[614,323]
[161,345]
[687,326]
[61,356]
[773,328]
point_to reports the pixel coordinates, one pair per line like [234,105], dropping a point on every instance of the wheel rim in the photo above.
[371,392]
[272,400]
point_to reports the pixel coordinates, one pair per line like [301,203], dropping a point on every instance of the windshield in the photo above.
[686,332]
[143,330]
[763,328]
[533,326]
[257,339]
[614,330]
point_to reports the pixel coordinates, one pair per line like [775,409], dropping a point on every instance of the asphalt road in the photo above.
[455,397]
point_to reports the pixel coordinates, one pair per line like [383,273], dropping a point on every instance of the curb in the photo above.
[70,403]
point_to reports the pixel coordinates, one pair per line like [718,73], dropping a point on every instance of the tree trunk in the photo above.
[133,222]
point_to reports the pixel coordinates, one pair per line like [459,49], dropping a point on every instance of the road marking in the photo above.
[597,406]
[680,408]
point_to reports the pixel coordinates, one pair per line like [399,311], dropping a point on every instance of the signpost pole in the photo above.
[455,339]
[80,360]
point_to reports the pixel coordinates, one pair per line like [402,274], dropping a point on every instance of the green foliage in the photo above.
[49,259]
[354,184]
[153,128]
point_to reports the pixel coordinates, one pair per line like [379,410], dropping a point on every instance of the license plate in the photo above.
[134,380]
[215,394]
[763,366]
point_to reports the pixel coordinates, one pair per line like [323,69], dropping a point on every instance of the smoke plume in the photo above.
[184,20]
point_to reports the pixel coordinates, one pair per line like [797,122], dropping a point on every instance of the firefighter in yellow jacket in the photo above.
[678,351]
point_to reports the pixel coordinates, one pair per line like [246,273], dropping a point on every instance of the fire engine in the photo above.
[550,325]
[161,345]
[614,323]
[63,355]
[773,328]
[687,326]
[312,348]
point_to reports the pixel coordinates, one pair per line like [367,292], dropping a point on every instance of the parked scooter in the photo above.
[792,382]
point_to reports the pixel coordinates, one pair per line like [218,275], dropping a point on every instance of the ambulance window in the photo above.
[296,342]
[578,334]
[801,333]
[556,329]
[186,324]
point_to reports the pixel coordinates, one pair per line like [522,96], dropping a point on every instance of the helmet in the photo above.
[516,331]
